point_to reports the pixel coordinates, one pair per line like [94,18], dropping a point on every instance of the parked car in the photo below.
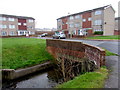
[59,35]
[43,35]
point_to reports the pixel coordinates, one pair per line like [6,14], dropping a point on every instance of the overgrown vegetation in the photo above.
[112,37]
[87,80]
[23,52]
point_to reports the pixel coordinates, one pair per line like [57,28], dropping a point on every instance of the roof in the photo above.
[87,11]
[22,17]
[117,18]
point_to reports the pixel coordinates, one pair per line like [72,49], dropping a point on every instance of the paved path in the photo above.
[112,65]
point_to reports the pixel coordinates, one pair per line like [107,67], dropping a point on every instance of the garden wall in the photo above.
[76,50]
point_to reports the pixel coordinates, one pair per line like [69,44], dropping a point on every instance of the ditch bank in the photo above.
[75,51]
[10,74]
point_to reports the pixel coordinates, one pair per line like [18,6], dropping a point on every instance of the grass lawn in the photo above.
[114,37]
[23,52]
[87,80]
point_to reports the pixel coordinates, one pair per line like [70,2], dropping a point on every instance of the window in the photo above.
[3,26]
[78,32]
[71,25]
[2,18]
[89,19]
[22,33]
[63,23]
[98,22]
[77,16]
[11,33]
[98,12]
[74,32]
[59,27]
[97,30]
[4,33]
[11,19]
[11,26]
[32,32]
[19,23]
[77,25]
[116,21]
[31,20]
[59,20]
[24,24]
[84,20]
[71,17]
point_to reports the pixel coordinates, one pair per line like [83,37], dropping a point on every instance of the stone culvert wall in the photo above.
[76,50]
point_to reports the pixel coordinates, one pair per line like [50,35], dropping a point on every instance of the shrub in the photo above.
[98,33]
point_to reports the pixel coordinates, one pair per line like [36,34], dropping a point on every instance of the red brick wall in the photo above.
[72,49]
[86,24]
[22,27]
[64,26]
[116,32]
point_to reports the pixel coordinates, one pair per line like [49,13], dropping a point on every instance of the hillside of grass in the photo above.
[23,52]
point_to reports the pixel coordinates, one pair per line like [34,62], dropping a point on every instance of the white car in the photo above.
[59,35]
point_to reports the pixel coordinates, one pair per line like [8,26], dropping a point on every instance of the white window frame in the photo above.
[77,16]
[19,23]
[31,20]
[98,12]
[98,22]
[4,33]
[71,17]
[3,26]
[89,19]
[3,18]
[84,20]
[76,25]
[25,24]
[12,33]
[59,20]
[11,19]
[12,26]
[71,25]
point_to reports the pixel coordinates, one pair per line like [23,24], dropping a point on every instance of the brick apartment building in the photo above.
[11,25]
[117,26]
[88,22]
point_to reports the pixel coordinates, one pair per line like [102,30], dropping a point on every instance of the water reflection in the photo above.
[47,79]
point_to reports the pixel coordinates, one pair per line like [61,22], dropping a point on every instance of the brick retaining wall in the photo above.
[59,48]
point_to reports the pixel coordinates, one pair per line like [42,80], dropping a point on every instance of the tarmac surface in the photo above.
[112,65]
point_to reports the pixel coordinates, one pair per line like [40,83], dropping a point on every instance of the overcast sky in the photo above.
[47,11]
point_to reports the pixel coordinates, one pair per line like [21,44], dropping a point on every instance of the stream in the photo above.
[44,79]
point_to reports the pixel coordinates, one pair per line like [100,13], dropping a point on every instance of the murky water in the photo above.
[46,79]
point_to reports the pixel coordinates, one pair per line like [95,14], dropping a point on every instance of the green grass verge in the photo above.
[23,52]
[88,80]
[113,37]
[108,53]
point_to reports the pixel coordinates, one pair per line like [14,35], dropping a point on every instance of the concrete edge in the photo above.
[10,74]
